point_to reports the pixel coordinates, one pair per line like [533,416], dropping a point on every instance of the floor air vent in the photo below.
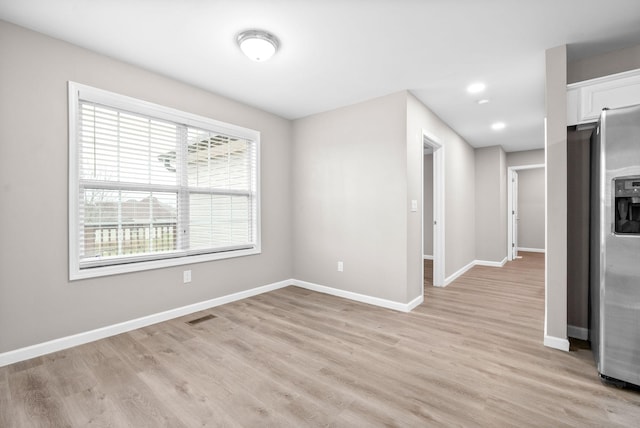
[201,319]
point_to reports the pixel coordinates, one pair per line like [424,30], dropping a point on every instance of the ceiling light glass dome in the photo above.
[258,45]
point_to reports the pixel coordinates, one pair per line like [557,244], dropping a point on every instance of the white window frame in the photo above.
[79,92]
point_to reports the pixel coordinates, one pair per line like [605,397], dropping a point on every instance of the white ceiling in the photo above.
[339,52]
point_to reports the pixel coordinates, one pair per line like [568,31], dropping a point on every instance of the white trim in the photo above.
[556,343]
[438,208]
[414,303]
[424,153]
[490,263]
[546,231]
[160,263]
[427,257]
[376,301]
[605,79]
[439,216]
[510,200]
[578,332]
[531,250]
[123,102]
[471,264]
[525,167]
[77,92]
[459,273]
[48,347]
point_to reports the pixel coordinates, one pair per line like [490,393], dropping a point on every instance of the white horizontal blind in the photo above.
[152,188]
[219,179]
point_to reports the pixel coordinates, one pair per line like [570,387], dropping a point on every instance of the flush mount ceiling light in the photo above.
[483,101]
[476,88]
[498,126]
[258,45]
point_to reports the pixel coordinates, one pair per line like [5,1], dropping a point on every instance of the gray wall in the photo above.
[489,196]
[428,205]
[503,237]
[604,65]
[578,167]
[37,302]
[416,115]
[556,183]
[531,208]
[349,174]
[527,157]
[460,233]
[355,171]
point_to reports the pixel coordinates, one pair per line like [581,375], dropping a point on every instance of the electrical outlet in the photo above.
[186,276]
[340,266]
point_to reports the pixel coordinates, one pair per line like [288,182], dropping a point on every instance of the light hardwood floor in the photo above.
[471,355]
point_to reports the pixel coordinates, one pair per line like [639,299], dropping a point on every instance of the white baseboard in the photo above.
[556,343]
[376,301]
[48,347]
[427,257]
[471,264]
[415,303]
[448,280]
[531,250]
[489,263]
[578,332]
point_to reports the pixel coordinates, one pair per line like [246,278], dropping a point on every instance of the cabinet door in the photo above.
[585,100]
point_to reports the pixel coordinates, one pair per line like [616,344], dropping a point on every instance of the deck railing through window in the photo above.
[104,240]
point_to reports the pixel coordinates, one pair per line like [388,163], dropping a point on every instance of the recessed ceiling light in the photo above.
[258,45]
[498,126]
[483,101]
[475,88]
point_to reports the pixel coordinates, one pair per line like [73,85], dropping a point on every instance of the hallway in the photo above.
[493,320]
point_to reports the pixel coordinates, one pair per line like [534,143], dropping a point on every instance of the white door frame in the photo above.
[429,140]
[514,214]
[510,202]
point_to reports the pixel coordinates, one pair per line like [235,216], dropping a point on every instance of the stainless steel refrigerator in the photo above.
[615,245]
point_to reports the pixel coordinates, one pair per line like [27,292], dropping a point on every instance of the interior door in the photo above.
[514,214]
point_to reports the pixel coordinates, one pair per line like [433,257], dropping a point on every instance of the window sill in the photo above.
[76,273]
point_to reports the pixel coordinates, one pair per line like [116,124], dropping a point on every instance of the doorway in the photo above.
[433,152]
[513,209]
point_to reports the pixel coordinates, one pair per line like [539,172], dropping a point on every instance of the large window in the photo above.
[151,186]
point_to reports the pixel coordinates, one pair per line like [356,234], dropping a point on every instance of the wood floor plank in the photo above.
[34,402]
[220,378]
[6,417]
[364,369]
[470,355]
[67,372]
[118,379]
[94,407]
[286,364]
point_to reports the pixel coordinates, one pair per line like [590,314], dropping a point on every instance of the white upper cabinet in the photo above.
[586,99]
